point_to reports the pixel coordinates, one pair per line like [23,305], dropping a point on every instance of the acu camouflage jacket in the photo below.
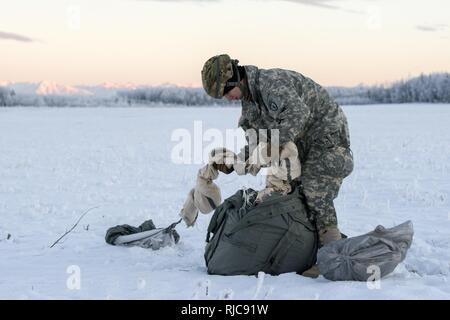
[299,108]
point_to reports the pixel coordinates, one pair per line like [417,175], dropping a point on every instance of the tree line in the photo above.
[432,88]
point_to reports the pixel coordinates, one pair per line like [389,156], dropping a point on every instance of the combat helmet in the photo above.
[217,73]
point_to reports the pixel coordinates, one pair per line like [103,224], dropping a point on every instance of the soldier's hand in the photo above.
[223,168]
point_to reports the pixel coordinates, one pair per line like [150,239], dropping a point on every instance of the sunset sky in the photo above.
[154,42]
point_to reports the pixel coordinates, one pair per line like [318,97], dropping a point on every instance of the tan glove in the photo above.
[222,159]
[261,155]
[189,212]
[223,168]
[259,158]
[205,197]
[282,171]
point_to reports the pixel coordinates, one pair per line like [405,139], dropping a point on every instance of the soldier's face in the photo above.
[234,94]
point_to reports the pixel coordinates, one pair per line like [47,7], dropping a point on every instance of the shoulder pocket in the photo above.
[337,162]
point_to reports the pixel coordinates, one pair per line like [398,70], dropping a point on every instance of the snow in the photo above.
[48,87]
[57,163]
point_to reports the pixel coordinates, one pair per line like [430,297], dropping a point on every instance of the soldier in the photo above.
[304,113]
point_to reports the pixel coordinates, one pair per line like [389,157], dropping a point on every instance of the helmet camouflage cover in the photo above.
[216,72]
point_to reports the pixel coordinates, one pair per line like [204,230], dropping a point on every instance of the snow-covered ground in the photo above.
[57,163]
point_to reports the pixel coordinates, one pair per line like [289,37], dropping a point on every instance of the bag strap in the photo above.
[280,250]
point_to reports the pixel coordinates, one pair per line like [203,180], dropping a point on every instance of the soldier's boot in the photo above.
[329,234]
[326,235]
[312,272]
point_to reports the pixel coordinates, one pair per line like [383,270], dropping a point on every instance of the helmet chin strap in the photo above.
[238,83]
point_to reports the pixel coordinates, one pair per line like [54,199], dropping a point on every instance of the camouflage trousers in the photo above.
[323,171]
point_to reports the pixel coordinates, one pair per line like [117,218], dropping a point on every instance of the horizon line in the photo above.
[123,85]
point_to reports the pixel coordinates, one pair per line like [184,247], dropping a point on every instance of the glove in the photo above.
[223,168]
[189,213]
[259,157]
[222,159]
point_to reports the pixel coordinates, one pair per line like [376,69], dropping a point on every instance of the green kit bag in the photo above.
[275,236]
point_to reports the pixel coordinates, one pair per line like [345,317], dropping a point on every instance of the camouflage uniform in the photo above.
[305,114]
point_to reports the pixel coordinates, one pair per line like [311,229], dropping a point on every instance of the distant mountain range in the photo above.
[46,87]
[432,88]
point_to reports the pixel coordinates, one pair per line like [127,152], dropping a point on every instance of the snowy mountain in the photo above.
[52,88]
[20,87]
[43,88]
[432,88]
[108,89]
[118,86]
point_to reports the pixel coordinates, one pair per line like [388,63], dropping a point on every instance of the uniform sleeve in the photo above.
[287,109]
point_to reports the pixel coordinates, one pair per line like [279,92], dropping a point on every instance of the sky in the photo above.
[152,42]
